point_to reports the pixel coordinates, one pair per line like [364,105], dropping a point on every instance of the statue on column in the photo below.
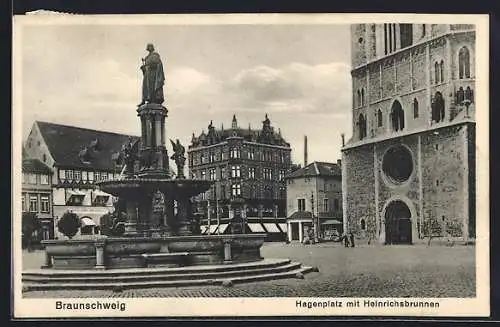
[153,77]
[178,158]
[128,156]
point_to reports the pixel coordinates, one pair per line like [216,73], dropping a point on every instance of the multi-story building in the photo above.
[37,195]
[77,158]
[248,167]
[314,201]
[409,169]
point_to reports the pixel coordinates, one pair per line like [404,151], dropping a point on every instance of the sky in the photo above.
[89,76]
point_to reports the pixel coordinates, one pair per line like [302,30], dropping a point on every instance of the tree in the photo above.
[30,224]
[431,228]
[113,224]
[69,224]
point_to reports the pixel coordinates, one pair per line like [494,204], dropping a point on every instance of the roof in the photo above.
[69,144]
[35,166]
[317,168]
[264,135]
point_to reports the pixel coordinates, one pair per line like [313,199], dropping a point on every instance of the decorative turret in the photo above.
[234,123]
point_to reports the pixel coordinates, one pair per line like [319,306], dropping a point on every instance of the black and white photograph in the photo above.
[275,165]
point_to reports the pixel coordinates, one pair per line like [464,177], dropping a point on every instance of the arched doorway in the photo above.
[398,228]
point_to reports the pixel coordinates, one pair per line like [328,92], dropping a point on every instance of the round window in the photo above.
[397,164]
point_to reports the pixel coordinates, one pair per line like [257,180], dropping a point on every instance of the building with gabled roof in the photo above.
[76,158]
[314,201]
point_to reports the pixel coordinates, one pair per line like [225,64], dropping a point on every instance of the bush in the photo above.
[30,224]
[112,224]
[69,224]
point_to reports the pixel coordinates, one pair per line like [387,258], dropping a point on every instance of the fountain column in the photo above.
[132,216]
[153,150]
[184,215]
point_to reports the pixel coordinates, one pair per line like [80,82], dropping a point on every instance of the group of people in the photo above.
[347,239]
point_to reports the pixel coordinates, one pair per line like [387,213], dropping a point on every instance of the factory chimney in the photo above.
[305,150]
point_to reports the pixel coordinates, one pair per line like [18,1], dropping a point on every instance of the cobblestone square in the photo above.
[363,271]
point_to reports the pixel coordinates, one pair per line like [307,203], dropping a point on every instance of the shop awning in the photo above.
[222,228]
[271,228]
[332,222]
[87,222]
[76,193]
[100,193]
[213,228]
[284,227]
[256,228]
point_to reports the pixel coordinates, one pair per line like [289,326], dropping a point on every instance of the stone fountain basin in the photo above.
[121,252]
[210,249]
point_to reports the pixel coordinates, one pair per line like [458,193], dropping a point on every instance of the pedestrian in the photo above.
[346,240]
[351,239]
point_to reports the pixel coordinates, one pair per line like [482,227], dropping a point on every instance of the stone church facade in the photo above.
[408,171]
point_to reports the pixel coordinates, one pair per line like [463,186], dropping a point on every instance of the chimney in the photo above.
[343,139]
[305,150]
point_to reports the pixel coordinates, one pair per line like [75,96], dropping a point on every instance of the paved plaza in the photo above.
[363,271]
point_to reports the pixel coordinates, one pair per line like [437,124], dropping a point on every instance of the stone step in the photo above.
[265,263]
[120,286]
[159,277]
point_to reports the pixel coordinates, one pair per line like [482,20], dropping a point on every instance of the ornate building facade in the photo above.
[408,172]
[248,167]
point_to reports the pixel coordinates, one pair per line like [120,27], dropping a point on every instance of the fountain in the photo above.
[158,246]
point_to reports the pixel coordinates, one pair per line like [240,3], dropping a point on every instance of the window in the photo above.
[441,71]
[423,30]
[91,176]
[203,174]
[361,126]
[379,118]
[75,200]
[336,205]
[437,107]
[415,108]
[44,179]
[44,204]
[62,174]
[212,157]
[23,202]
[25,178]
[301,204]
[251,172]
[235,171]
[44,157]
[84,175]
[78,175]
[406,35]
[33,203]
[32,178]
[358,101]
[235,153]
[282,192]
[463,63]
[281,174]
[436,73]
[362,97]
[325,205]
[212,174]
[222,173]
[69,175]
[236,189]
[100,201]
[104,176]
[437,182]
[397,116]
[251,153]
[268,173]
